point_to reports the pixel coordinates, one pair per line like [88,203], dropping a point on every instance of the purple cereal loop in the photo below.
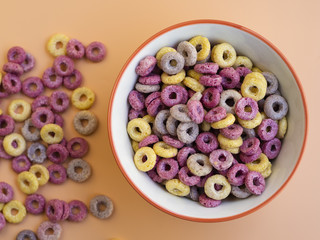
[81,214]
[146,66]
[255,182]
[28,63]
[210,80]
[57,153]
[3,153]
[206,142]
[250,158]
[55,227]
[242,104]
[230,77]
[167,168]
[41,101]
[6,192]
[271,148]
[250,146]
[81,151]
[136,114]
[210,97]
[58,120]
[233,131]
[172,141]
[151,97]
[195,111]
[16,55]
[187,177]
[206,68]
[136,100]
[96,51]
[237,174]
[73,81]
[13,68]
[75,49]
[215,114]
[154,176]
[66,211]
[27,87]
[42,116]
[50,79]
[11,83]
[20,164]
[35,203]
[7,125]
[208,202]
[221,159]
[54,210]
[172,95]
[149,140]
[57,174]
[59,101]
[183,155]
[151,79]
[268,129]
[63,65]
[155,107]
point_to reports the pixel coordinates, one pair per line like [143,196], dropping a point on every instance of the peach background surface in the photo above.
[122,26]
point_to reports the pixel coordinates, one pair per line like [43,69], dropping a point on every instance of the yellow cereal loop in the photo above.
[145,159]
[254,86]
[202,46]
[266,173]
[282,127]
[193,84]
[135,145]
[83,98]
[224,55]
[51,133]
[14,211]
[28,182]
[211,192]
[173,79]
[164,150]
[41,172]
[57,44]
[162,52]
[256,69]
[8,145]
[149,119]
[1,206]
[250,124]
[19,110]
[263,116]
[231,150]
[178,188]
[242,61]
[260,164]
[138,129]
[192,73]
[229,143]
[226,122]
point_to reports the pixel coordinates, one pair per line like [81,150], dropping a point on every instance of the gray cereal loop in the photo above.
[101,207]
[172,63]
[187,132]
[146,88]
[78,170]
[37,153]
[160,121]
[189,53]
[180,112]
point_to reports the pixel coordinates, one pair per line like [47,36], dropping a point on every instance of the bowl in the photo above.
[265,56]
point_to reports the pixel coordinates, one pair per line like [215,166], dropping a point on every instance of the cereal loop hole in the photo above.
[167,167]
[199,47]
[59,45]
[53,78]
[56,174]
[49,232]
[200,162]
[35,204]
[85,122]
[276,107]
[14,211]
[4,191]
[253,89]
[226,55]
[83,97]
[43,118]
[96,51]
[19,109]
[63,67]
[247,108]
[3,124]
[173,62]
[101,206]
[75,210]
[256,181]
[230,102]
[38,174]
[78,169]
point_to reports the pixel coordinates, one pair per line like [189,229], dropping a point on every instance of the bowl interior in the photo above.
[264,57]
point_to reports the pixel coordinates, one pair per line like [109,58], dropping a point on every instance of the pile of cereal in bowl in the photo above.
[204,122]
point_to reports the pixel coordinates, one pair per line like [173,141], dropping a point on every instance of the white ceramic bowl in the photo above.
[265,56]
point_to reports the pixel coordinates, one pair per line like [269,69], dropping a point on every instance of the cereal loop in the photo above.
[226,122]
[243,61]
[164,150]
[138,129]
[176,187]
[229,143]
[210,190]
[202,46]
[14,149]
[19,209]
[162,52]
[41,172]
[82,98]
[224,55]
[51,133]
[193,84]
[57,44]
[173,79]
[145,159]
[19,110]
[260,164]
[193,74]
[254,86]
[250,124]
[282,128]
[28,182]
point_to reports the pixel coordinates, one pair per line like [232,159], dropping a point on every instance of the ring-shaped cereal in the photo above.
[178,188]
[192,73]
[202,46]
[250,124]
[78,94]
[254,86]
[260,164]
[172,63]
[243,61]
[266,173]
[209,187]
[282,127]
[51,133]
[57,44]
[224,55]
[229,99]
[189,53]
[226,122]
[149,119]
[28,182]
[193,84]
[145,153]
[164,150]
[41,172]
[88,116]
[199,164]
[20,211]
[229,143]
[162,52]
[11,148]
[173,79]
[17,104]
[138,129]
[256,69]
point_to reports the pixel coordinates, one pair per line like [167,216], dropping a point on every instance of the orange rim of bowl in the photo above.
[219,22]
